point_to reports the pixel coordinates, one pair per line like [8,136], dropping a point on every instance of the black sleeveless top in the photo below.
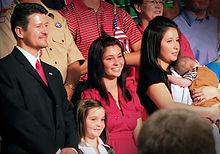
[151,76]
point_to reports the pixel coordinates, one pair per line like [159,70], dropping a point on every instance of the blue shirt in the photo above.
[202,35]
[215,67]
[5,3]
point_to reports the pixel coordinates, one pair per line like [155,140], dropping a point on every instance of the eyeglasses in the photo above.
[154,2]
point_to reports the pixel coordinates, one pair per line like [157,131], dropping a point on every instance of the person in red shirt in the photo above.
[107,83]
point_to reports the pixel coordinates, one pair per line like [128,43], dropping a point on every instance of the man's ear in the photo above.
[19,31]
[138,7]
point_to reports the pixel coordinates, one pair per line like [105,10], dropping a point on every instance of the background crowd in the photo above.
[95,76]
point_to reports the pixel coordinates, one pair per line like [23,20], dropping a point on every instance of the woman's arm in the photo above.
[137,129]
[84,67]
[161,96]
[133,58]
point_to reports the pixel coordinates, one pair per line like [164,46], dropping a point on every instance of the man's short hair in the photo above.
[176,132]
[136,1]
[21,13]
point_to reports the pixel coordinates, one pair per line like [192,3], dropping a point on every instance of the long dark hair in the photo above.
[151,44]
[96,67]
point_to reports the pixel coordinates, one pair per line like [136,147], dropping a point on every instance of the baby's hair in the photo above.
[183,65]
[83,107]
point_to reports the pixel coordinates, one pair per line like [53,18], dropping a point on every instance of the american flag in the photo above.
[119,34]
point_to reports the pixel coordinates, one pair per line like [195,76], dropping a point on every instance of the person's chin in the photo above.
[116,75]
[44,45]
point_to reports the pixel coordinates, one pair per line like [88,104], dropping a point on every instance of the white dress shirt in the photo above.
[30,57]
[88,149]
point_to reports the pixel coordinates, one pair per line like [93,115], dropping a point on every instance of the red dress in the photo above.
[121,123]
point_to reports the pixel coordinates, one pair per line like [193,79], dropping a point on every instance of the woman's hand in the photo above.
[204,93]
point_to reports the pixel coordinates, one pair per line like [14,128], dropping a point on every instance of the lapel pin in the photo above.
[58,25]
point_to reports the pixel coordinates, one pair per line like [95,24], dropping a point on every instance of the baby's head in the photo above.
[184,64]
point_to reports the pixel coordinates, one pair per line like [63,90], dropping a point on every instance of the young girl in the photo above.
[92,128]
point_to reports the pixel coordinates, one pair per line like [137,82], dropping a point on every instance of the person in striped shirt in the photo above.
[90,19]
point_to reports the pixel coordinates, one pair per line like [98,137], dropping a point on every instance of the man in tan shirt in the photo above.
[61,52]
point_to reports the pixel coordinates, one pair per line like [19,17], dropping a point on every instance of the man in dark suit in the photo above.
[35,115]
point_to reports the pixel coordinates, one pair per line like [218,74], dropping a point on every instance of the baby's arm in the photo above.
[180,81]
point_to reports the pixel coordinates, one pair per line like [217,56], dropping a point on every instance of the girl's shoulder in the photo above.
[85,148]
[109,149]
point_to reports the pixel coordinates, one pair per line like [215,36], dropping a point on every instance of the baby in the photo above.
[194,76]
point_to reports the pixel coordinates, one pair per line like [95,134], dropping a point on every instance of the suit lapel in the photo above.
[51,80]
[50,76]
[27,65]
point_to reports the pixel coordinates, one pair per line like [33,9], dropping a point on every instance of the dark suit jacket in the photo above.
[34,118]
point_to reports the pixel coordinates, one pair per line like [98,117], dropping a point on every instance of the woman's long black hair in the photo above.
[150,47]
[96,67]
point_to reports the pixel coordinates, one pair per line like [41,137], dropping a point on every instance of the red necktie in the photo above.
[40,71]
